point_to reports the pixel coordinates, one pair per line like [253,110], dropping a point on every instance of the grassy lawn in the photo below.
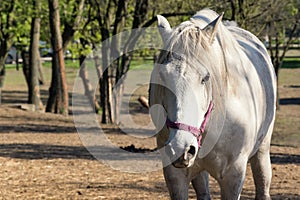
[291,63]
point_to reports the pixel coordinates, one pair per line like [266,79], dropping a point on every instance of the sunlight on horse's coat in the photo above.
[204,61]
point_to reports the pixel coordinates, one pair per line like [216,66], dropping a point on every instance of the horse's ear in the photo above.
[212,28]
[164,27]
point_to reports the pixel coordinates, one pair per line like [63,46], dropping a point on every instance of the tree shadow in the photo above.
[19,123]
[32,151]
[289,101]
[43,151]
[249,195]
[159,186]
[20,96]
[13,96]
[37,128]
[280,158]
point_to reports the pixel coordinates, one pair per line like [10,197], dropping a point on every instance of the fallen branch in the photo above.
[144,101]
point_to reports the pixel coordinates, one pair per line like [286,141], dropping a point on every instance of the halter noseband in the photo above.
[197,132]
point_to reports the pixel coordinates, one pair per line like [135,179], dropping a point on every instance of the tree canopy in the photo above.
[86,23]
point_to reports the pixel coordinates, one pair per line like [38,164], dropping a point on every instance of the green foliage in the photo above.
[15,19]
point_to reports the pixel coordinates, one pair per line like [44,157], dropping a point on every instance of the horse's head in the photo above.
[186,86]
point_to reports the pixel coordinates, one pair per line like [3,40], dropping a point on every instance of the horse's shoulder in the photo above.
[247,39]
[241,34]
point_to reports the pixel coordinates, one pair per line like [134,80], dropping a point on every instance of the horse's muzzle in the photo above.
[186,159]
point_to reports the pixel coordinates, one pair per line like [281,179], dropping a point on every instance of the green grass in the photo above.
[141,64]
[286,131]
[291,63]
[68,64]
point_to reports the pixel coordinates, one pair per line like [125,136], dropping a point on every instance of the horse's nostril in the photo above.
[192,150]
[185,160]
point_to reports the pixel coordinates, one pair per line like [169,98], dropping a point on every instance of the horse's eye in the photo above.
[205,79]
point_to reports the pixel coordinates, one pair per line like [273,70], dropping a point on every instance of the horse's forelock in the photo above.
[187,39]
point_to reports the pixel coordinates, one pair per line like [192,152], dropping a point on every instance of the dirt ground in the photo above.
[42,157]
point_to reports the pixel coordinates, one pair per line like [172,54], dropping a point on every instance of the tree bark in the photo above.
[58,94]
[34,59]
[25,66]
[233,10]
[103,18]
[41,74]
[89,92]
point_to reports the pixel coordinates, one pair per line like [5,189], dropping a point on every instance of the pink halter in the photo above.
[197,132]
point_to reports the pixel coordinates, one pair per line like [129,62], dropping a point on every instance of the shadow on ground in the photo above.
[44,151]
[47,151]
[289,101]
[280,158]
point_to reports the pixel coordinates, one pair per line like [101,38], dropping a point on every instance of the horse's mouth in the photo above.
[180,164]
[186,160]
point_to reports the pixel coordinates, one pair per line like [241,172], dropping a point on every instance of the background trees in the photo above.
[111,18]
[81,25]
[12,26]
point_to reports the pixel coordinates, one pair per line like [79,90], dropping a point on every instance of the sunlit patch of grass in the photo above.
[286,131]
[287,124]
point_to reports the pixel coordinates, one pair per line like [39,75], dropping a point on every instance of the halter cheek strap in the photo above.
[197,132]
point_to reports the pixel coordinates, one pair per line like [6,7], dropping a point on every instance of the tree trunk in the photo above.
[99,71]
[89,92]
[41,74]
[58,94]
[34,59]
[25,66]
[140,13]
[3,54]
[233,10]
[2,75]
[104,86]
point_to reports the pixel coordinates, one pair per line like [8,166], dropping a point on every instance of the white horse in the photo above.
[217,86]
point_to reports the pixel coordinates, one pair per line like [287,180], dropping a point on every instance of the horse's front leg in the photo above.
[177,180]
[201,186]
[232,179]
